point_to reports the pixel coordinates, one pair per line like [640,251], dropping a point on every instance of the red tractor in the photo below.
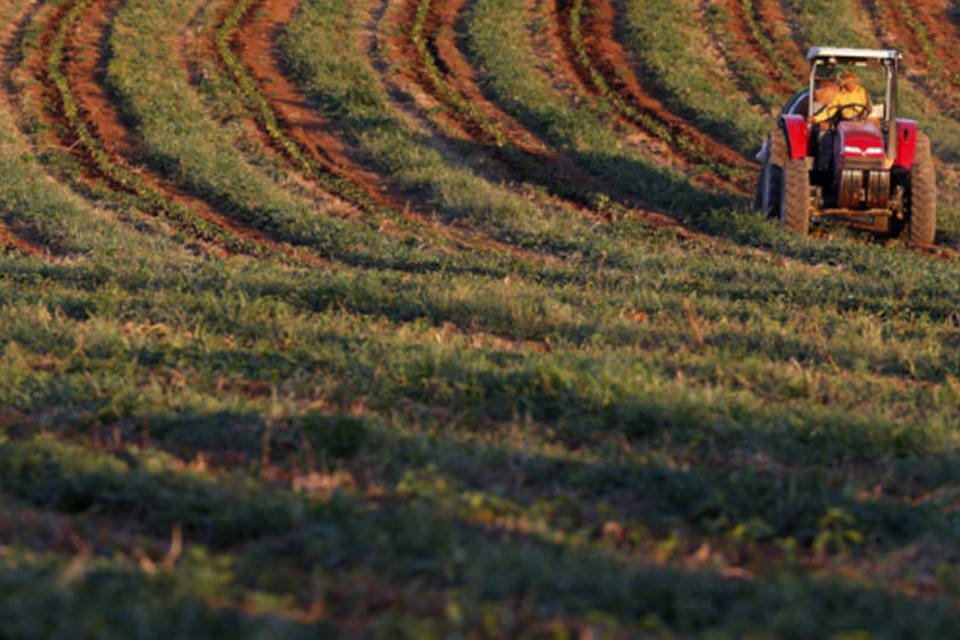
[836,156]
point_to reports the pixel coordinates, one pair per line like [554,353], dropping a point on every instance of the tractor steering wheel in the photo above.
[861,112]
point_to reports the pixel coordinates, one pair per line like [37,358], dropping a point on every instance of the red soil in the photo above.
[441,33]
[255,45]
[894,31]
[459,75]
[84,66]
[13,241]
[8,34]
[441,29]
[747,47]
[775,24]
[612,60]
[943,34]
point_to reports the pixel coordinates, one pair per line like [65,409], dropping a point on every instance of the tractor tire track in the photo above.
[593,51]
[291,123]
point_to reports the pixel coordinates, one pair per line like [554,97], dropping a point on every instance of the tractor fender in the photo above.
[906,143]
[797,134]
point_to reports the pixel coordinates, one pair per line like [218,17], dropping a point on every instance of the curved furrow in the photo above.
[85,70]
[427,38]
[246,44]
[775,37]
[73,59]
[935,34]
[758,68]
[84,121]
[587,35]
[899,26]
[435,43]
[8,237]
[11,240]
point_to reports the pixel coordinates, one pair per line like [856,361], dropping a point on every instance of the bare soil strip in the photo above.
[608,61]
[436,66]
[776,27]
[84,66]
[255,44]
[942,33]
[11,240]
[748,46]
[105,140]
[895,27]
[9,35]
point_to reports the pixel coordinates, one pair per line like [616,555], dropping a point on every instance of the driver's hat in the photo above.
[848,75]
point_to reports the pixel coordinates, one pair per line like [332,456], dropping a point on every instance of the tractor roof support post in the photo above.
[891,109]
[813,88]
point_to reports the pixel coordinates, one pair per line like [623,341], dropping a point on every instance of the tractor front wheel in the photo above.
[795,197]
[922,223]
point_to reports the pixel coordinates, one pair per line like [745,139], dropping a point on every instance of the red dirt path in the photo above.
[775,23]
[943,33]
[8,35]
[13,241]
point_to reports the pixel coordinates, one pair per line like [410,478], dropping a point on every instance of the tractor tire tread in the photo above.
[922,223]
[795,202]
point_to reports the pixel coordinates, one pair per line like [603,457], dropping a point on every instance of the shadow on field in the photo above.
[287,546]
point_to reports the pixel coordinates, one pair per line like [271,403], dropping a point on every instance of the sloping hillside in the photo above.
[417,318]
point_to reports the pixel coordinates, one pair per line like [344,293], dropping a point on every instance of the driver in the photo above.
[850,93]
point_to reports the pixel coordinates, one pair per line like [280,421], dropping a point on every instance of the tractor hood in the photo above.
[860,140]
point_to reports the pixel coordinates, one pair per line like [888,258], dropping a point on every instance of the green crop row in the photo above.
[584,130]
[54,217]
[670,45]
[750,74]
[524,164]
[770,49]
[267,118]
[436,78]
[928,47]
[183,139]
[444,175]
[116,174]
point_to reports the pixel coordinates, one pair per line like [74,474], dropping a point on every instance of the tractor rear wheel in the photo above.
[795,197]
[922,223]
[770,181]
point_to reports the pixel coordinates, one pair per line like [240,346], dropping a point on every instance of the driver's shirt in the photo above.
[858,95]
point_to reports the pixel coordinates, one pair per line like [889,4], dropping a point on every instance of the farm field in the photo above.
[451,318]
